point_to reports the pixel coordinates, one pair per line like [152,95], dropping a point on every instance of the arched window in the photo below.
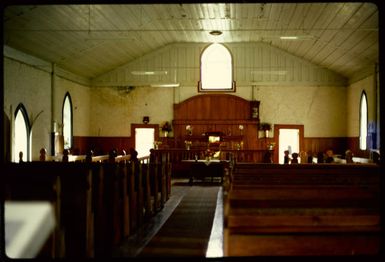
[363,121]
[216,69]
[22,129]
[67,121]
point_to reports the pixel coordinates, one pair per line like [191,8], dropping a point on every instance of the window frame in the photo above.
[233,85]
[67,95]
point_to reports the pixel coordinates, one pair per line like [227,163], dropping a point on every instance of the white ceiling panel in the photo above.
[90,40]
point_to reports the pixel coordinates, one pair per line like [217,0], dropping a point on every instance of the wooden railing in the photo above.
[177,154]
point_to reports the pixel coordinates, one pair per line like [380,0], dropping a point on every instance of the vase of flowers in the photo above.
[189,130]
[208,154]
[266,127]
[187,144]
[156,144]
[241,129]
[166,128]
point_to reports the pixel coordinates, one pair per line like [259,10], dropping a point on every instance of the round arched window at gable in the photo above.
[216,69]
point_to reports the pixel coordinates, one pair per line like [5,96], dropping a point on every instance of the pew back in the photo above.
[96,204]
[326,209]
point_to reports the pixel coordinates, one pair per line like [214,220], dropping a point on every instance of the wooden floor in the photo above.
[148,240]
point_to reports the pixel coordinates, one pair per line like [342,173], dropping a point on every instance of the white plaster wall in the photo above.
[321,109]
[326,111]
[81,105]
[31,87]
[354,92]
[102,111]
[114,110]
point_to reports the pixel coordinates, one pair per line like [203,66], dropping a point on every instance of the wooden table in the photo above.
[200,169]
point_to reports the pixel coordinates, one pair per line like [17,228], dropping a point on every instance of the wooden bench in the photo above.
[68,188]
[302,210]
[44,186]
[97,204]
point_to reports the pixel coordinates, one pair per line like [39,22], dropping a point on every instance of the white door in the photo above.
[288,140]
[144,141]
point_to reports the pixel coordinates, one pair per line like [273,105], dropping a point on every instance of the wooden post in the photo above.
[140,195]
[133,197]
[148,208]
[126,199]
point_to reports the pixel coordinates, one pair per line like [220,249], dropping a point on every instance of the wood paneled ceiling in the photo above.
[90,40]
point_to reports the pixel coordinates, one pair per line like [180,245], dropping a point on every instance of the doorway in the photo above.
[289,137]
[144,137]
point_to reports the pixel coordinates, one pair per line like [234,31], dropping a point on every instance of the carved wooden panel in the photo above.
[213,107]
[224,113]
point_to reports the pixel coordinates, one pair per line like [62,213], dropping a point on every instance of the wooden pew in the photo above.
[302,210]
[35,182]
[138,192]
[110,202]
[160,178]
[68,187]
[77,213]
[77,190]
[97,203]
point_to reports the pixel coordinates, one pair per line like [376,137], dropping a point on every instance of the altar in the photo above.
[203,168]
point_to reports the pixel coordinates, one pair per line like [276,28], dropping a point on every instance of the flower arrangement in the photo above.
[156,144]
[265,126]
[208,153]
[240,127]
[187,144]
[166,127]
[189,129]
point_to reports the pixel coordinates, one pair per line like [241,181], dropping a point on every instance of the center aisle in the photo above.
[187,231]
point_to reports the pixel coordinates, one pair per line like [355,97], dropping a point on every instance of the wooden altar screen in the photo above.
[229,114]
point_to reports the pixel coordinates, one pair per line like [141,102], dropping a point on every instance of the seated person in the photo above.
[329,156]
[267,158]
[294,158]
[303,156]
[348,156]
[309,157]
[376,157]
[286,159]
[320,157]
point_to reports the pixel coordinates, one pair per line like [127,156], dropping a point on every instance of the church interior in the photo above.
[203,129]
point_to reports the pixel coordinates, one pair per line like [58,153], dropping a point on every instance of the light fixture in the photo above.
[269,72]
[215,32]
[146,119]
[166,85]
[288,37]
[149,72]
